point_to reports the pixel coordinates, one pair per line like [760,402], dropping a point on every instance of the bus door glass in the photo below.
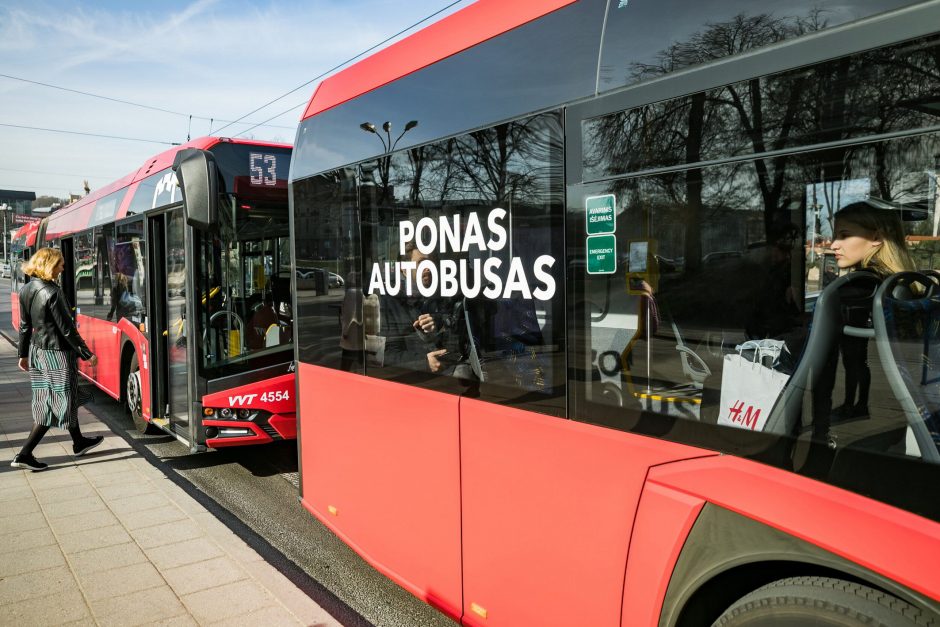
[177,367]
[245,271]
[127,254]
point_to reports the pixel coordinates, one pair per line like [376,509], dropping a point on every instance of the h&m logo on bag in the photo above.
[747,417]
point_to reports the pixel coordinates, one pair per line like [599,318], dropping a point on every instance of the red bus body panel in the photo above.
[31,232]
[285,424]
[548,509]
[104,340]
[663,521]
[477,22]
[478,508]
[897,544]
[391,472]
[15,310]
[381,468]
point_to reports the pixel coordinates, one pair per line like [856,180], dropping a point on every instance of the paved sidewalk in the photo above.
[107,539]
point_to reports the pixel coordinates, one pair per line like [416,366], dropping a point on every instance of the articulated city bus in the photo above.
[190,315]
[558,224]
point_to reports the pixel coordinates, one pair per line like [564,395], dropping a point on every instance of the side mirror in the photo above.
[198,178]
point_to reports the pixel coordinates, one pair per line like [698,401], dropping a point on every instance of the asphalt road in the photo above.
[253,490]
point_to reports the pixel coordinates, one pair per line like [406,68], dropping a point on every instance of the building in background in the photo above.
[16,207]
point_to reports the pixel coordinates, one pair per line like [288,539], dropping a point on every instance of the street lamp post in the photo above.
[388,147]
[5,207]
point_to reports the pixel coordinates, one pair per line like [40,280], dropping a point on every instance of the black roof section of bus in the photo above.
[573,54]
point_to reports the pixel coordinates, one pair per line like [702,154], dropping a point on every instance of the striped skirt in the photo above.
[56,393]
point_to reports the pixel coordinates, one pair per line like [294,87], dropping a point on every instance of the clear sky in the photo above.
[216,59]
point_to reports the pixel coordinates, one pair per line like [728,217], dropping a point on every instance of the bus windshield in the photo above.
[244,309]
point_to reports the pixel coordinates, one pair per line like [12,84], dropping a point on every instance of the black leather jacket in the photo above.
[45,320]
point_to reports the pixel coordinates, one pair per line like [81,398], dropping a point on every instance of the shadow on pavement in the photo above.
[263,460]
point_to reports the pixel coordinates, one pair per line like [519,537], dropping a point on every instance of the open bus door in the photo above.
[173,353]
[171,380]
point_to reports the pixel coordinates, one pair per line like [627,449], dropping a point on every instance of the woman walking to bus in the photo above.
[48,349]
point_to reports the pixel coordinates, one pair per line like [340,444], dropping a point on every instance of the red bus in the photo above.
[190,315]
[558,224]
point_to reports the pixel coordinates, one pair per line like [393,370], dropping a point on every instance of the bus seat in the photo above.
[272,337]
[906,315]
[911,448]
[693,366]
[824,336]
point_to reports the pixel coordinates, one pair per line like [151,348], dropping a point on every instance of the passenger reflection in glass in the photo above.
[869,238]
[407,320]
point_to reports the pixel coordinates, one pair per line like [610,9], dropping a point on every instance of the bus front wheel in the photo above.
[133,399]
[820,601]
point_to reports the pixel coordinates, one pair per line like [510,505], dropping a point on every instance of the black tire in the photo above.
[132,399]
[822,601]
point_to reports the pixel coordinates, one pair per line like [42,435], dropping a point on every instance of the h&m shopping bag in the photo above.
[749,388]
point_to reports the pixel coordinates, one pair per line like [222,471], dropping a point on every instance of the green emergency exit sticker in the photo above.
[600,214]
[601,254]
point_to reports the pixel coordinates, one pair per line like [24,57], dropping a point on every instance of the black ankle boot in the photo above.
[86,444]
[25,460]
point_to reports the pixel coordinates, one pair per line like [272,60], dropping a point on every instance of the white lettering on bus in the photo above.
[496,277]
[167,184]
[241,399]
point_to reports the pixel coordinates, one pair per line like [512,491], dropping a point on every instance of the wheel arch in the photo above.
[128,351]
[727,555]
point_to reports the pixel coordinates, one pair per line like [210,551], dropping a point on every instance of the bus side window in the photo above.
[84,265]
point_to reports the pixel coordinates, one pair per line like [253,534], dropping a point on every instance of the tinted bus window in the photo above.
[635,31]
[104,241]
[330,322]
[106,209]
[127,255]
[708,259]
[876,92]
[154,191]
[92,271]
[461,281]
[84,264]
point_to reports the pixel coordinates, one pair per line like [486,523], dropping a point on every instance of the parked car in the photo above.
[333,279]
[5,271]
[721,255]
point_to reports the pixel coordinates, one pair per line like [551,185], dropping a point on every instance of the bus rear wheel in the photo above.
[820,601]
[133,399]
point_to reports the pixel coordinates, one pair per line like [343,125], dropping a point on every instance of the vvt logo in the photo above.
[241,399]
